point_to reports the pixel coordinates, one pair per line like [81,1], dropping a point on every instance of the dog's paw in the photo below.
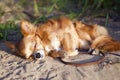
[90,51]
[56,54]
[95,52]
[72,53]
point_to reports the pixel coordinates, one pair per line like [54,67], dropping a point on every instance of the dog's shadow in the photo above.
[12,36]
[4,47]
[7,49]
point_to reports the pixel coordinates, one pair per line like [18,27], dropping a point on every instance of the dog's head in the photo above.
[30,44]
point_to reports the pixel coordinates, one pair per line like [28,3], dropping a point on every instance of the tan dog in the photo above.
[62,35]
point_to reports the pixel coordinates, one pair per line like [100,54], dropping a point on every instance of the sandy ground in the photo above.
[15,68]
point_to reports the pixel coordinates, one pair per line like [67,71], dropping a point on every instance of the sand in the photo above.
[15,68]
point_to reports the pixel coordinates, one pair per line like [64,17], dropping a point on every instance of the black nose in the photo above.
[38,55]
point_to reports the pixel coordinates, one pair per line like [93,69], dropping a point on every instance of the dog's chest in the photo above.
[53,45]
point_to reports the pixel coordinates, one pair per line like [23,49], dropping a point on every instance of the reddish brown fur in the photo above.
[66,35]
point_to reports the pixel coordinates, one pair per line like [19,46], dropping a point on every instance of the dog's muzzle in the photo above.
[39,55]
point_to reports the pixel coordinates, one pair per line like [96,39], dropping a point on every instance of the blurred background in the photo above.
[37,11]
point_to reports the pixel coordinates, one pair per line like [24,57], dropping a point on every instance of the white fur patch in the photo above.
[95,52]
[28,54]
[83,43]
[47,48]
[55,43]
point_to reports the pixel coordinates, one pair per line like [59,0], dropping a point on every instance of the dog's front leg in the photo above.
[56,54]
[69,46]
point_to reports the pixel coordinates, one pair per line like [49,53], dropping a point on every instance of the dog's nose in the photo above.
[38,55]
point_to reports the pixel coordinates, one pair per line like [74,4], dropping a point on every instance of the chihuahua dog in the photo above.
[62,35]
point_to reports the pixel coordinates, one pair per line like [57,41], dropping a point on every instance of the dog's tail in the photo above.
[113,46]
[106,43]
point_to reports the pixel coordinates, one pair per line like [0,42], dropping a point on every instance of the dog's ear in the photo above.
[27,28]
[11,46]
